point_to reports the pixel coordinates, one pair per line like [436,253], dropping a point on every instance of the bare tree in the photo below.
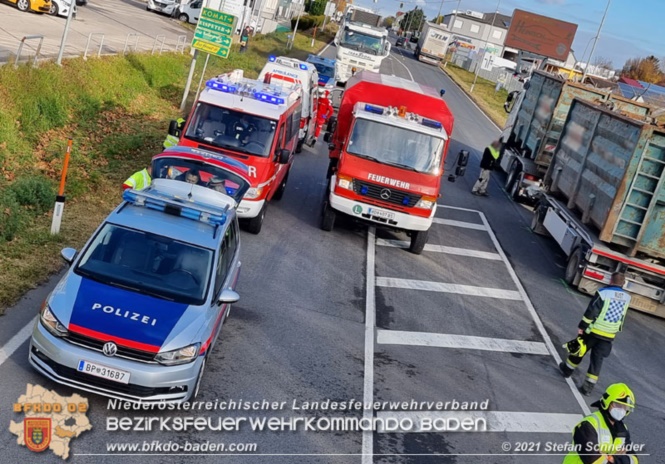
[603,62]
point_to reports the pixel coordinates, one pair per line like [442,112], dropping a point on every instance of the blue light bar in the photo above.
[272,58]
[373,109]
[431,123]
[216,85]
[266,97]
[303,66]
[163,203]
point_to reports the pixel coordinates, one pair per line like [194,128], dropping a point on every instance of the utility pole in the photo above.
[593,47]
[58,61]
[489,31]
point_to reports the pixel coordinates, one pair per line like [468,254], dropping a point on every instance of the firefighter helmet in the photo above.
[576,347]
[617,393]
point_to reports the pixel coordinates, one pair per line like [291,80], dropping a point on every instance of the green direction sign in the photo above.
[213,32]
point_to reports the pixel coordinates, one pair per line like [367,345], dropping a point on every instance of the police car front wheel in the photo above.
[197,385]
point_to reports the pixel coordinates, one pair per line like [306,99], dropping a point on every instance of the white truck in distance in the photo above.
[432,43]
[361,44]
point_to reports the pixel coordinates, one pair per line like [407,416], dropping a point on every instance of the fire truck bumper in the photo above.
[380,216]
[249,209]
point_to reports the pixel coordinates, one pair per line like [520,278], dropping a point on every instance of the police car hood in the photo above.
[134,320]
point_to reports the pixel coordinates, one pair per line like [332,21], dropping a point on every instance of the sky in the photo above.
[632,28]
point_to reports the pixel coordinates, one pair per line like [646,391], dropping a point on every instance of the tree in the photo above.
[644,69]
[317,7]
[603,62]
[412,20]
[388,22]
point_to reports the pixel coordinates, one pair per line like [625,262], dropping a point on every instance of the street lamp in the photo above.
[58,61]
[485,46]
[593,47]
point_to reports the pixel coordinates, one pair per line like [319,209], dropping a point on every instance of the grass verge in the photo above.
[116,109]
[486,98]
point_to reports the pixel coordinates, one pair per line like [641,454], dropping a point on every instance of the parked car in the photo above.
[189,12]
[61,7]
[162,6]
[400,41]
[38,6]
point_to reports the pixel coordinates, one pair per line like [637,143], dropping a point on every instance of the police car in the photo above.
[325,68]
[142,304]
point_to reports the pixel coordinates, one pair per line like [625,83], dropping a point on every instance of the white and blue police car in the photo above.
[142,304]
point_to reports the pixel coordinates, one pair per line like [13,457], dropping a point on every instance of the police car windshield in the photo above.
[361,42]
[324,70]
[147,263]
[396,146]
[233,130]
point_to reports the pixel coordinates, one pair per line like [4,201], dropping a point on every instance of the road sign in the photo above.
[213,32]
[330,9]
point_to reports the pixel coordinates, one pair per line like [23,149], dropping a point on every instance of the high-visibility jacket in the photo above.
[139,180]
[606,312]
[173,140]
[606,444]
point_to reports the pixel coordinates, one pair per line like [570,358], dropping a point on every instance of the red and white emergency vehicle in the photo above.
[292,73]
[387,150]
[254,122]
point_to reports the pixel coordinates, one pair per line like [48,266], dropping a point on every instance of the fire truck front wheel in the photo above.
[327,217]
[279,193]
[418,241]
[254,225]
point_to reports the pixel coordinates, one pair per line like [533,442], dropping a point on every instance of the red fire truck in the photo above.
[254,122]
[387,149]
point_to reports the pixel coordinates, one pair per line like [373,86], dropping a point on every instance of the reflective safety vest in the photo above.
[495,153]
[615,306]
[171,141]
[605,443]
[139,180]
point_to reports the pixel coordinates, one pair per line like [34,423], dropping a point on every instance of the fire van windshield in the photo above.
[233,130]
[396,146]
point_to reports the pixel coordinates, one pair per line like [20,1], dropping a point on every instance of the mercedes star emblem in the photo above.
[385,194]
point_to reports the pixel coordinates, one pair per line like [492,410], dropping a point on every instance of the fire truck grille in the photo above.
[385,194]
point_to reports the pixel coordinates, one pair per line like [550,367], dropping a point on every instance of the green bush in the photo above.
[307,22]
[12,215]
[34,193]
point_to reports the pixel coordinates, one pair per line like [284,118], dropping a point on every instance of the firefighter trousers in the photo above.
[599,349]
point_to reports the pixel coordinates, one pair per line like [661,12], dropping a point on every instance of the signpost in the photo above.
[213,32]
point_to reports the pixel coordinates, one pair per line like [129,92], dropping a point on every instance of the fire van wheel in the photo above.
[195,391]
[254,225]
[418,241]
[327,217]
[279,193]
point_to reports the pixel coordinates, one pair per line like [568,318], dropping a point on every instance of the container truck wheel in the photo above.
[513,173]
[254,225]
[418,241]
[327,217]
[573,269]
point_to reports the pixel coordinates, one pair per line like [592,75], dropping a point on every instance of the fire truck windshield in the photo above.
[396,146]
[230,129]
[362,42]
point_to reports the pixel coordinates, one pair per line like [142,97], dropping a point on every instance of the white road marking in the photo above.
[458,208]
[465,225]
[405,66]
[16,341]
[428,286]
[442,249]
[370,322]
[398,337]
[534,314]
[496,421]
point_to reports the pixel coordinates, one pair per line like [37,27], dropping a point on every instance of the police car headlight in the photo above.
[426,203]
[253,193]
[51,323]
[345,182]
[180,356]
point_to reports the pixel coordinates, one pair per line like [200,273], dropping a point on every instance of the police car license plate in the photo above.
[105,372]
[381,213]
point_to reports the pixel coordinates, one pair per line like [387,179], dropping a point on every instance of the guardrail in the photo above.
[101,44]
[22,43]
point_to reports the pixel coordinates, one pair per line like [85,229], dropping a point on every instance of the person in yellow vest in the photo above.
[487,163]
[603,319]
[172,140]
[602,437]
[139,180]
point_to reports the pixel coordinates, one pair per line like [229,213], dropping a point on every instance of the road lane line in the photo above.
[467,342]
[405,66]
[534,315]
[465,225]
[442,249]
[428,286]
[496,421]
[16,341]
[370,323]
[458,208]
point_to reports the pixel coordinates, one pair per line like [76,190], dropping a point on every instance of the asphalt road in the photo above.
[350,315]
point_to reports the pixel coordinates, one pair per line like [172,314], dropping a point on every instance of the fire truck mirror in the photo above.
[462,158]
[284,155]
[173,128]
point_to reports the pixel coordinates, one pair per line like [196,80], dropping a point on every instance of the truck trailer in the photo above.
[432,43]
[537,115]
[604,202]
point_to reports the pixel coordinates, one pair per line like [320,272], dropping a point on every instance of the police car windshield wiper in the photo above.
[142,291]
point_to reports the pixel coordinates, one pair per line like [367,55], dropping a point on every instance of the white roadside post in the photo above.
[60,199]
[61,52]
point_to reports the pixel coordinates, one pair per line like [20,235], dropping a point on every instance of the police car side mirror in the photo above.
[68,254]
[228,297]
[284,156]
[173,128]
